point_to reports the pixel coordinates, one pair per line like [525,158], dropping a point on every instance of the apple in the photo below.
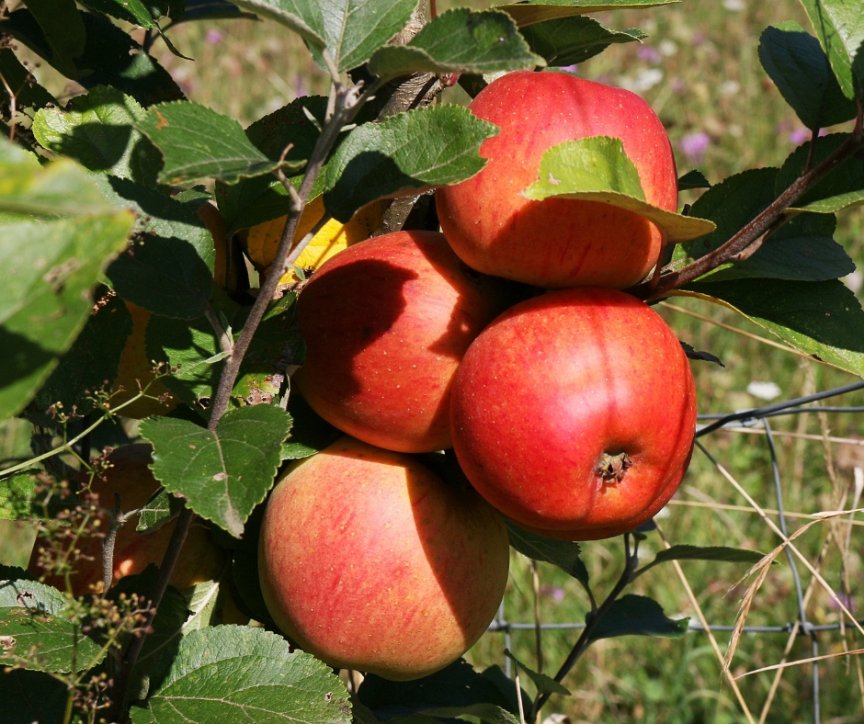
[370,561]
[557,243]
[385,324]
[574,413]
[129,484]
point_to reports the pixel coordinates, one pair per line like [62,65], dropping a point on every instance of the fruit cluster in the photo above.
[569,404]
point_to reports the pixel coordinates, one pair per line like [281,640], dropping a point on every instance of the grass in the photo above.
[699,68]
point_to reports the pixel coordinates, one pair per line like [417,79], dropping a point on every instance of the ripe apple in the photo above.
[574,413]
[370,561]
[557,242]
[385,324]
[129,483]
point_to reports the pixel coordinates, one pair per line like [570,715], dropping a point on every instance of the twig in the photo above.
[631,560]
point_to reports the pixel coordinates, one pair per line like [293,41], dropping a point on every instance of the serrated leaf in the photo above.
[199,144]
[458,41]
[802,73]
[225,473]
[636,615]
[157,511]
[821,319]
[63,30]
[536,11]
[98,131]
[839,26]
[304,17]
[45,642]
[572,40]
[21,83]
[693,180]
[201,602]
[408,153]
[236,671]
[598,169]
[841,188]
[132,11]
[45,299]
[564,554]
[544,684]
[309,433]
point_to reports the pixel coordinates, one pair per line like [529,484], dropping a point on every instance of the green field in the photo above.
[699,68]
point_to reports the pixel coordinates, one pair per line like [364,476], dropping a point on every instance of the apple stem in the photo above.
[593,618]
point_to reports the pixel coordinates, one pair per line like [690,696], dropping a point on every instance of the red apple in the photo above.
[370,561]
[129,484]
[386,322]
[574,413]
[557,242]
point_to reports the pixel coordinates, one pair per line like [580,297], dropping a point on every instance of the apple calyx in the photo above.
[612,467]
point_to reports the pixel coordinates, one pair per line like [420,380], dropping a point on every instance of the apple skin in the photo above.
[555,383]
[370,561]
[557,243]
[129,477]
[385,323]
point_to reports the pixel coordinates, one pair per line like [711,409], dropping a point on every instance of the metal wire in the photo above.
[756,417]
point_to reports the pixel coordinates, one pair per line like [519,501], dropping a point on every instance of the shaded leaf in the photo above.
[407,153]
[598,169]
[458,41]
[536,11]
[564,554]
[821,319]
[802,73]
[724,554]
[304,17]
[225,473]
[63,30]
[636,615]
[38,697]
[572,40]
[236,671]
[544,684]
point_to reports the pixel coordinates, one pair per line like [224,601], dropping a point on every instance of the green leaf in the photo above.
[45,642]
[38,598]
[111,57]
[132,11]
[225,473]
[636,615]
[157,511]
[98,130]
[821,319]
[23,85]
[226,672]
[45,300]
[544,684]
[309,433]
[529,12]
[693,180]
[572,40]
[564,554]
[458,41]
[598,169]
[841,188]
[199,144]
[408,153]
[799,68]
[304,17]
[723,554]
[481,711]
[839,26]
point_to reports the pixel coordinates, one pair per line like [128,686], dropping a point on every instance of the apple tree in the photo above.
[144,301]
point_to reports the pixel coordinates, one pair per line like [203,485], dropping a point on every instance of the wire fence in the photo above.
[804,573]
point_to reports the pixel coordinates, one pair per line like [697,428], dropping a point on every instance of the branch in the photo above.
[748,239]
